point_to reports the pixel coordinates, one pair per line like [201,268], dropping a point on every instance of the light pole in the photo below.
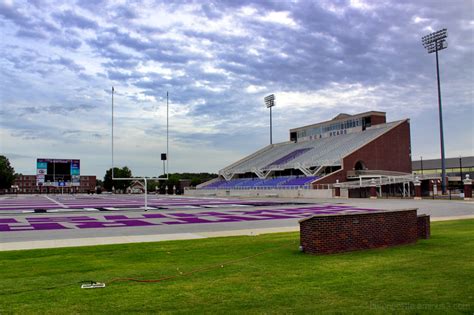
[270,102]
[421,160]
[433,43]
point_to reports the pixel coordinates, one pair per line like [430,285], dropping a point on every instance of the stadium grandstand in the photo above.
[345,148]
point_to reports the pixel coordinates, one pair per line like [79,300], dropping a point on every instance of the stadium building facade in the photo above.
[343,149]
[27,184]
[55,175]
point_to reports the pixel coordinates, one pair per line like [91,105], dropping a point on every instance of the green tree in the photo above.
[174,180]
[123,172]
[7,173]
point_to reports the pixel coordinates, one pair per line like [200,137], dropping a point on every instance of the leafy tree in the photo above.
[174,180]
[123,172]
[7,173]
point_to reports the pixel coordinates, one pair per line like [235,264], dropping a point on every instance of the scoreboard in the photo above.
[58,172]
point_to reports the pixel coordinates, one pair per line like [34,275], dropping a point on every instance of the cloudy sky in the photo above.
[59,60]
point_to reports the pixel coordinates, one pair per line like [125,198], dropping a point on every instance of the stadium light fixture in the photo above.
[433,43]
[269,103]
[145,179]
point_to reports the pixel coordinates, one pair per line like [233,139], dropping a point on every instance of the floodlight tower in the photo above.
[270,102]
[433,43]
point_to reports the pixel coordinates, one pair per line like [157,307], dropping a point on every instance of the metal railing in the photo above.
[381,180]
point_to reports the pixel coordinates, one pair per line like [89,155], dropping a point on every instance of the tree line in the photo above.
[174,180]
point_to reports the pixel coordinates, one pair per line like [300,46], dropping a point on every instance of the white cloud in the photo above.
[281,17]
[417,19]
[218,61]
[361,5]
[255,89]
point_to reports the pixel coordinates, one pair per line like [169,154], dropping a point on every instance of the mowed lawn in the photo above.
[267,275]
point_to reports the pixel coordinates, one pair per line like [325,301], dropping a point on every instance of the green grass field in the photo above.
[432,276]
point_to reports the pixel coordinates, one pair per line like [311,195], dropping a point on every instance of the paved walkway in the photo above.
[76,242]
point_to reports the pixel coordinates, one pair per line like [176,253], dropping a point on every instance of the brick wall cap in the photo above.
[355,214]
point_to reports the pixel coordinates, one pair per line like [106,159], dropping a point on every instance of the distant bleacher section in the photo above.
[283,182]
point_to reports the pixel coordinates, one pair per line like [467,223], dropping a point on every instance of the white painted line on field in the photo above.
[189,207]
[55,201]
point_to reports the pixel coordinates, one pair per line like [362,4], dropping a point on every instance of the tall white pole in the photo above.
[112,133]
[441,132]
[271,140]
[146,196]
[167,135]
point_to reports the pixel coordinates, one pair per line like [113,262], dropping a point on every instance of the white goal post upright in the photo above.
[145,179]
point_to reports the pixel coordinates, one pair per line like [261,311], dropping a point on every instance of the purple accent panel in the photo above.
[119,223]
[183,215]
[237,217]
[274,182]
[215,184]
[61,219]
[31,227]
[34,206]
[154,216]
[275,216]
[268,214]
[300,181]
[290,156]
[48,226]
[9,220]
[211,213]
[116,217]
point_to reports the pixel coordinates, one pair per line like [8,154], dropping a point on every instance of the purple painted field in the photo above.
[22,203]
[39,223]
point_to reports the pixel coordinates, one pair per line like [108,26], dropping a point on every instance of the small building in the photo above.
[456,168]
[136,187]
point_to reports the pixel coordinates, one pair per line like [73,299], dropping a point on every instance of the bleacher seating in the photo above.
[310,157]
[300,181]
[313,153]
[268,183]
[290,156]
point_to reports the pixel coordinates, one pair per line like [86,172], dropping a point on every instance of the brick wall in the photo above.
[327,234]
[390,152]
[377,119]
[423,222]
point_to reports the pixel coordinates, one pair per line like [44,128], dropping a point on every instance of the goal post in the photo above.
[166,155]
